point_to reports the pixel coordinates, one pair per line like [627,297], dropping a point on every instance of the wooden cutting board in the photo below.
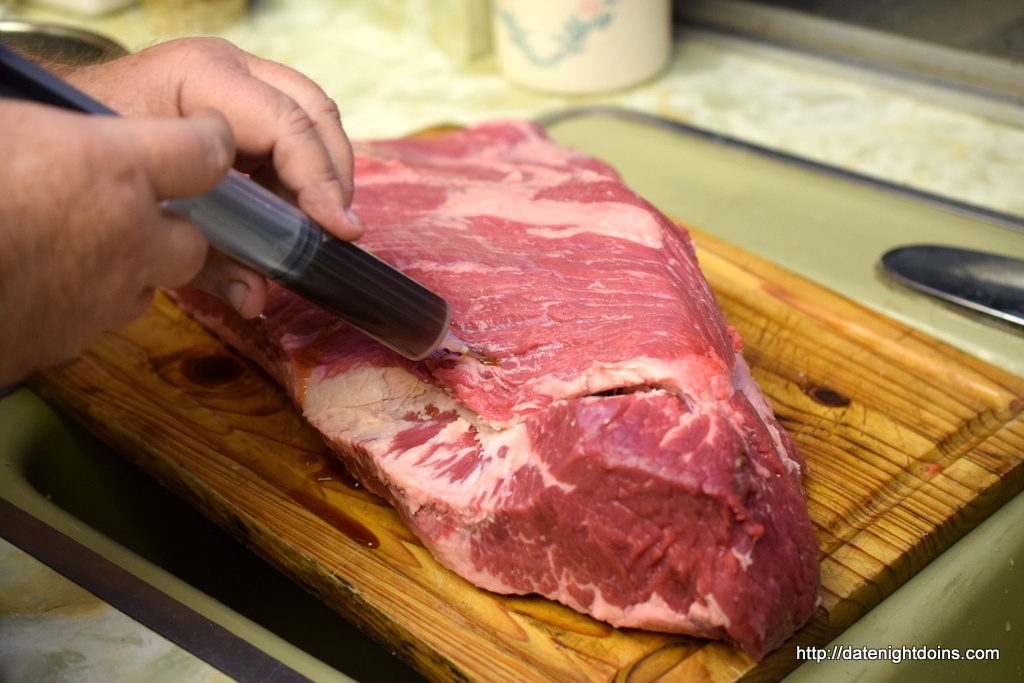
[909,444]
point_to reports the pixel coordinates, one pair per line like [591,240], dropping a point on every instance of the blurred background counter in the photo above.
[396,66]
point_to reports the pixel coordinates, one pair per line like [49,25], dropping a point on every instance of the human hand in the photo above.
[288,133]
[85,239]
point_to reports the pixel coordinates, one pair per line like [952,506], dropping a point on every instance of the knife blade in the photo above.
[982,281]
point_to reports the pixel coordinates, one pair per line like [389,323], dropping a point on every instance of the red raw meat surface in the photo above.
[621,459]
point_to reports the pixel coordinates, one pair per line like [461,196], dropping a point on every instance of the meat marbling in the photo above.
[621,459]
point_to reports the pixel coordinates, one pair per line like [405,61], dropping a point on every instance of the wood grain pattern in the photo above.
[909,443]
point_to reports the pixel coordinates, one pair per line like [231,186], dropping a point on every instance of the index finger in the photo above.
[311,156]
[320,108]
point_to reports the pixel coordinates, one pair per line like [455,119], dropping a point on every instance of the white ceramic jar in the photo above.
[581,46]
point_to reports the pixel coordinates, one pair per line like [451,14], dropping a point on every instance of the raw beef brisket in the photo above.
[621,459]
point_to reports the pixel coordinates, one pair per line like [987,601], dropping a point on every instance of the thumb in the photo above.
[243,289]
[182,157]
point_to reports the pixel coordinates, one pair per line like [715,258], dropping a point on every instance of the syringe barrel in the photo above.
[259,229]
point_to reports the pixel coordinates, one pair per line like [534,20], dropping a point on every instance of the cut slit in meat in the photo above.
[622,391]
[621,459]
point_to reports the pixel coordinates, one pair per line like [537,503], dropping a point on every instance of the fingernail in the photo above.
[236,293]
[222,153]
[353,218]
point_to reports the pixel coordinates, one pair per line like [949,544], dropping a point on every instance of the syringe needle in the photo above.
[455,345]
